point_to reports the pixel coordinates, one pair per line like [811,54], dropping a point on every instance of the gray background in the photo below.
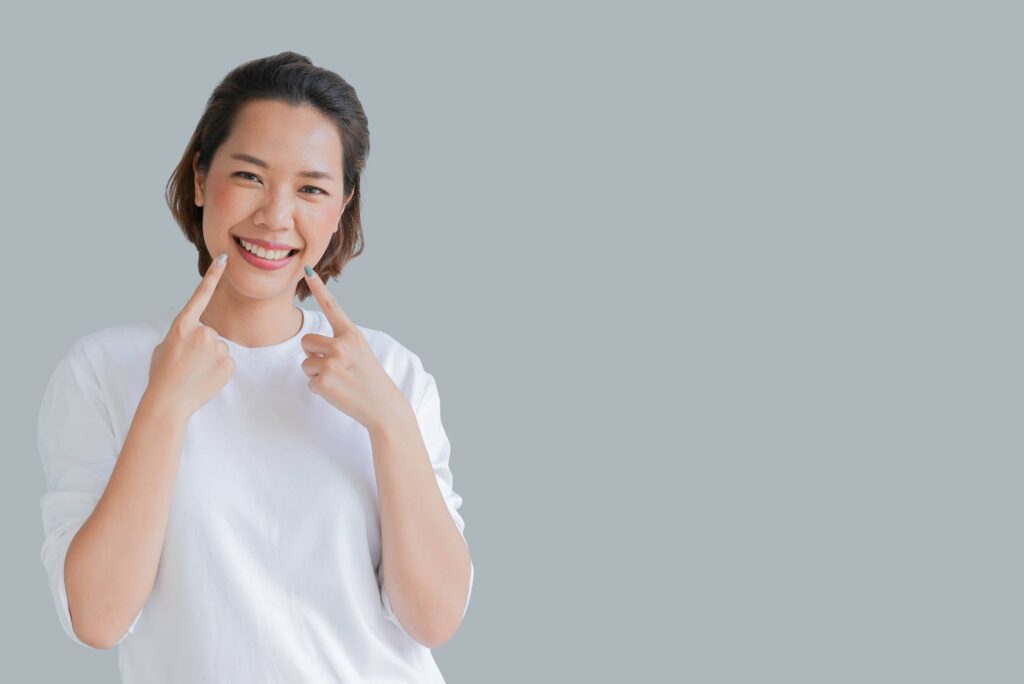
[722,302]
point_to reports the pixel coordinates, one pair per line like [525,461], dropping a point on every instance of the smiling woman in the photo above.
[252,122]
[244,490]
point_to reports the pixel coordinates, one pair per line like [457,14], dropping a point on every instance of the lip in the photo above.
[260,262]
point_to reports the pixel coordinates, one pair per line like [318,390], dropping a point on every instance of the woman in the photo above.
[243,490]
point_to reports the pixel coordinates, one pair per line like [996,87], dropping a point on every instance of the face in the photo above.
[258,189]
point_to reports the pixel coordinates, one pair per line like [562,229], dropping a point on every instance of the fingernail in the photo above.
[223,257]
[309,270]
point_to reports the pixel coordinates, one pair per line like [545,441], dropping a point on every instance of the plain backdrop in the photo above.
[722,300]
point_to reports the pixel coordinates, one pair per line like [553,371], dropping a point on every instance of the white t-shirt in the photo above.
[270,568]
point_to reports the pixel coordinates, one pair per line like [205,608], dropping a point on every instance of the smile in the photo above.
[270,260]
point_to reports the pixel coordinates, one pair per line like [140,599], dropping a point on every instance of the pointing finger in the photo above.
[336,316]
[201,297]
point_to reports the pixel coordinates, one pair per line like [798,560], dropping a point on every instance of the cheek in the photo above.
[325,215]
[324,221]
[226,200]
[224,208]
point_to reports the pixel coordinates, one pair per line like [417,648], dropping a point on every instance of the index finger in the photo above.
[201,297]
[338,319]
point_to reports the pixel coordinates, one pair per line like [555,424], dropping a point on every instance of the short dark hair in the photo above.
[292,78]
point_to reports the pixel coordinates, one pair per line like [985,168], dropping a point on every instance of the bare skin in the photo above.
[252,306]
[112,562]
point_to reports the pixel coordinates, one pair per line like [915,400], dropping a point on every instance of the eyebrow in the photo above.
[259,162]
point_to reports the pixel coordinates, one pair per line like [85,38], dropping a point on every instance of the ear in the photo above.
[200,181]
[345,204]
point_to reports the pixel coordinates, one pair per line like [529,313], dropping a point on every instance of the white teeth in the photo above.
[272,255]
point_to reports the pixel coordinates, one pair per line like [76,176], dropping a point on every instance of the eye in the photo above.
[244,174]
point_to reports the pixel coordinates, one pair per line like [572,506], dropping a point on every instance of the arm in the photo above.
[107,506]
[425,561]
[112,561]
[424,557]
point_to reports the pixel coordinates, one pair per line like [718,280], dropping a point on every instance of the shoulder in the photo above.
[124,339]
[119,347]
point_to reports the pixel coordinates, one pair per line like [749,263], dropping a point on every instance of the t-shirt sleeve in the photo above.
[78,450]
[428,414]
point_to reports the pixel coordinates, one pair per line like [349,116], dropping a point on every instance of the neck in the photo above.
[252,322]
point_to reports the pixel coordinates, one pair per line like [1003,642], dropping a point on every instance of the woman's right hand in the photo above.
[192,363]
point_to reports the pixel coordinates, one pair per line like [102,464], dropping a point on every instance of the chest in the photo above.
[273,476]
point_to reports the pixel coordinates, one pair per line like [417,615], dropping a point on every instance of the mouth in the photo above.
[265,262]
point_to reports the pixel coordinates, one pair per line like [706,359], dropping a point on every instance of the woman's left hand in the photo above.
[344,370]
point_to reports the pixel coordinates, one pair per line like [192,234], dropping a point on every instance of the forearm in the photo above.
[425,561]
[111,563]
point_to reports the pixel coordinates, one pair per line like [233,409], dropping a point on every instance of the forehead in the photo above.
[285,135]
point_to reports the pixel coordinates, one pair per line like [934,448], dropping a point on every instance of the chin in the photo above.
[263,286]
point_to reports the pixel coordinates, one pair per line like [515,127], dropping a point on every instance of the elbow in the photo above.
[439,626]
[101,640]
[445,620]
[431,626]
[434,620]
[92,638]
[438,633]
[98,644]
[91,632]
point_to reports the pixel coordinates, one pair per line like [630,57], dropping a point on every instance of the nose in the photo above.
[276,212]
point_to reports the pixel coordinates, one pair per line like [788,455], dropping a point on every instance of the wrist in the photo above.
[157,403]
[399,418]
